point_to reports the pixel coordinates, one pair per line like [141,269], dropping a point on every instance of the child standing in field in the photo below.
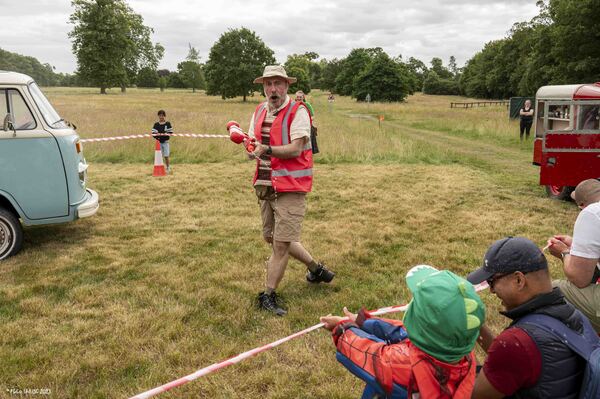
[163,126]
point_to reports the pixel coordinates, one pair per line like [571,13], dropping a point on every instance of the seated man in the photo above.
[430,353]
[580,254]
[526,360]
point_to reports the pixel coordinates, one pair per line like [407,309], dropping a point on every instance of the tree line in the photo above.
[561,45]
[113,49]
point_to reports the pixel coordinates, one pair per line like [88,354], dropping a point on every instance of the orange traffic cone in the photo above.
[159,167]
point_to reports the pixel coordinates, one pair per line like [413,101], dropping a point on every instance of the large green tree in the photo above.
[234,61]
[575,40]
[383,79]
[352,66]
[111,43]
[305,70]
[329,72]
[191,71]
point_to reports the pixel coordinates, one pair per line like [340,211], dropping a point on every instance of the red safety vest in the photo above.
[287,175]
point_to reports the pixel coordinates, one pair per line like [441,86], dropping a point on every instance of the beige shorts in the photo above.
[282,216]
[587,299]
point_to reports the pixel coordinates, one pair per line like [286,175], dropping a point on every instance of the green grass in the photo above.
[162,280]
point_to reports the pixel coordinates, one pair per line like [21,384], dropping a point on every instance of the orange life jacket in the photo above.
[408,366]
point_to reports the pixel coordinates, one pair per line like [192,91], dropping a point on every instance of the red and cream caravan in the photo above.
[567,131]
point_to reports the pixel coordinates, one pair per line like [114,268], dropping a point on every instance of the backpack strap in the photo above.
[582,344]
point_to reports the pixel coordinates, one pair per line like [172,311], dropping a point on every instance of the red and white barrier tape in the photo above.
[256,351]
[139,136]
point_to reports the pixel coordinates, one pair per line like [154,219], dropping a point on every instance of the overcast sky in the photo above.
[423,29]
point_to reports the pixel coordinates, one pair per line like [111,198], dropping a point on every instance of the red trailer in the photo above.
[567,136]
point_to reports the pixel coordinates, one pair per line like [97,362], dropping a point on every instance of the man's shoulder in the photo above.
[592,209]
[513,338]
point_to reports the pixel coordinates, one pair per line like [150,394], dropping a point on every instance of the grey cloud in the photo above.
[423,29]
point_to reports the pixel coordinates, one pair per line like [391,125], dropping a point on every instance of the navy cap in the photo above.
[510,254]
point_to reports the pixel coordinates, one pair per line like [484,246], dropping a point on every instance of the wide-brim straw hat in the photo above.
[272,71]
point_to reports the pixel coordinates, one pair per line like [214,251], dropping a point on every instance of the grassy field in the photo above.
[162,281]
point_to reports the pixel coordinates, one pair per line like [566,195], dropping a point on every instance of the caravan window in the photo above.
[588,117]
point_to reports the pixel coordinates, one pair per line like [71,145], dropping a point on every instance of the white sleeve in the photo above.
[301,124]
[251,128]
[586,235]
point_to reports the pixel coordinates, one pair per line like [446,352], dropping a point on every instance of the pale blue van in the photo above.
[42,168]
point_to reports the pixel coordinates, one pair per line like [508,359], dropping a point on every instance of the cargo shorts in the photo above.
[587,299]
[282,216]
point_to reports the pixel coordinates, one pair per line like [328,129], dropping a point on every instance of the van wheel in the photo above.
[559,192]
[11,234]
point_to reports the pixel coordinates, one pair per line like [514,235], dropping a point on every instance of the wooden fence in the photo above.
[478,104]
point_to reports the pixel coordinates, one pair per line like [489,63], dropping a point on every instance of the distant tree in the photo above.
[147,77]
[352,66]
[302,82]
[433,84]
[438,67]
[163,72]
[310,71]
[418,69]
[174,80]
[110,42]
[234,61]
[329,72]
[383,79]
[43,74]
[162,83]
[452,67]
[191,72]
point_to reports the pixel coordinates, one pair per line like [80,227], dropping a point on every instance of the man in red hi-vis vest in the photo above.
[284,172]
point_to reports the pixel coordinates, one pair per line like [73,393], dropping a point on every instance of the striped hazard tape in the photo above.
[253,352]
[140,136]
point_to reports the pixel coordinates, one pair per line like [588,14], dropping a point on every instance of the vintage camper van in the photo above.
[567,131]
[42,168]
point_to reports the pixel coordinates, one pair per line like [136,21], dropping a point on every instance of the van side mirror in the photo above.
[9,124]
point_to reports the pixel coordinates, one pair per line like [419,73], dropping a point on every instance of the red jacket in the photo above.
[394,361]
[287,175]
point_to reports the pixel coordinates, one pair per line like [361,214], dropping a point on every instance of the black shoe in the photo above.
[269,302]
[321,274]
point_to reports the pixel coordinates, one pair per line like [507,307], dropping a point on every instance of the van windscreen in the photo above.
[48,112]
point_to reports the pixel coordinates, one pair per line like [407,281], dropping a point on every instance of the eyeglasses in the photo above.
[495,278]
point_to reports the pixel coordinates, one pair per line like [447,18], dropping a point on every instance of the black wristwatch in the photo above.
[269,151]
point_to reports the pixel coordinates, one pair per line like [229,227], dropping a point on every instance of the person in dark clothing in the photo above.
[526,114]
[163,130]
[525,361]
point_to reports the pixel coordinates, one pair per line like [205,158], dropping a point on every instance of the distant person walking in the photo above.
[300,96]
[526,119]
[164,129]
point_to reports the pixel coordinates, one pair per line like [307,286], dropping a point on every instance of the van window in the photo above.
[3,105]
[48,112]
[22,117]
[588,117]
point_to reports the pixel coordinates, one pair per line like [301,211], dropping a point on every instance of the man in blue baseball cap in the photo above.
[525,360]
